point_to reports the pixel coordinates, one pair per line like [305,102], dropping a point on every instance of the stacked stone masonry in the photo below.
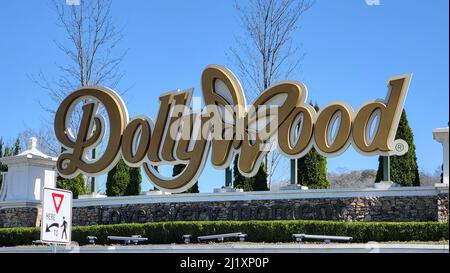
[20,217]
[390,209]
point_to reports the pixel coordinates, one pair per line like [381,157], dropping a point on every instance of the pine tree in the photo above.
[260,179]
[240,181]
[312,171]
[16,148]
[7,152]
[134,186]
[157,170]
[177,169]
[312,168]
[255,183]
[404,169]
[2,167]
[118,179]
[76,185]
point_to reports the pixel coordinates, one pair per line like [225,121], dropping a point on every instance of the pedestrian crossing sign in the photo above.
[56,226]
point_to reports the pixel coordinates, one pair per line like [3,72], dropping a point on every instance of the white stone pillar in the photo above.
[441,136]
[28,172]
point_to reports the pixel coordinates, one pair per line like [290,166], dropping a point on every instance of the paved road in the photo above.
[240,248]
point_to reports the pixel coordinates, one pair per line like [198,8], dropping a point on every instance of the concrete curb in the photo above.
[240,248]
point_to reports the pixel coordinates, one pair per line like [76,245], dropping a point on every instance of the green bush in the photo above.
[257,231]
[76,185]
[18,236]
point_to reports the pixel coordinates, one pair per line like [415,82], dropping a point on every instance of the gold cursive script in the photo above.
[226,126]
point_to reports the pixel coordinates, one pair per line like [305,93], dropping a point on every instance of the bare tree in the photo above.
[430,179]
[266,52]
[352,179]
[46,140]
[345,178]
[92,38]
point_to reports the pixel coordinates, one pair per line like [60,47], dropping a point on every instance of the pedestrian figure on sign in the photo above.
[64,226]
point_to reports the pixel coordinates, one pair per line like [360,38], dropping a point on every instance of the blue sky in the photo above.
[351,50]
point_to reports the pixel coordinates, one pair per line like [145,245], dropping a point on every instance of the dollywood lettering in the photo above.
[226,126]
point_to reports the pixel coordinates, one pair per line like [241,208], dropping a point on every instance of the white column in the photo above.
[441,136]
[28,172]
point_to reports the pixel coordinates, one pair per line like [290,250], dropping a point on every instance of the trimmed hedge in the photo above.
[257,231]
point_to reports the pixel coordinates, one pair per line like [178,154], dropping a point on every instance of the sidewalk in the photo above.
[239,248]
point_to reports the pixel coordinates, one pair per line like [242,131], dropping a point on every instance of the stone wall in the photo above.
[20,217]
[399,205]
[442,207]
[400,209]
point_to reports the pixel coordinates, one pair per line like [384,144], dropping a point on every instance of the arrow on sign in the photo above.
[47,229]
[57,200]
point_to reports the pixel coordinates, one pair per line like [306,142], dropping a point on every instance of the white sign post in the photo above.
[56,225]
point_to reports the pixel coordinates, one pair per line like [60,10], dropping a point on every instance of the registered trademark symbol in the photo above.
[399,147]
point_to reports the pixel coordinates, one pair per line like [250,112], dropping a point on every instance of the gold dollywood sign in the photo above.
[226,126]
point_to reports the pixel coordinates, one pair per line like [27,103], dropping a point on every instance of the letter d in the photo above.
[91,129]
[388,118]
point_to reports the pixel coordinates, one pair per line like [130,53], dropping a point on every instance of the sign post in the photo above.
[56,227]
